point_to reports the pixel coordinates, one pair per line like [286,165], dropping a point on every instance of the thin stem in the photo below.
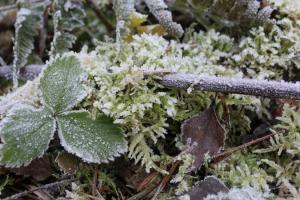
[21,194]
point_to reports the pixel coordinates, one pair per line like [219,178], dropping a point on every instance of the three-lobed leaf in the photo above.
[93,140]
[61,84]
[25,133]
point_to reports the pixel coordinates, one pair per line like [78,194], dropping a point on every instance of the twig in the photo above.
[224,155]
[159,9]
[94,183]
[264,88]
[165,180]
[21,194]
[100,15]
[28,72]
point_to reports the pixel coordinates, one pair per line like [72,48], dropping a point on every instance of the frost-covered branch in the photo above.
[26,73]
[271,89]
[159,9]
[264,88]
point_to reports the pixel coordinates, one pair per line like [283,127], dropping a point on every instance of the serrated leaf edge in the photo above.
[52,61]
[11,112]
[119,150]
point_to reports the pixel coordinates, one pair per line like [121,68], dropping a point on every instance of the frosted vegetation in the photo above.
[99,104]
[26,132]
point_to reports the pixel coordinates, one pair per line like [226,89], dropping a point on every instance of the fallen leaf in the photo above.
[39,169]
[67,162]
[210,185]
[205,134]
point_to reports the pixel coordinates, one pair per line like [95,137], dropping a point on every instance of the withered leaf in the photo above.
[210,185]
[205,134]
[39,169]
[68,162]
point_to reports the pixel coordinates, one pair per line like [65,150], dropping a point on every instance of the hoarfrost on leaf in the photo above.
[61,84]
[27,23]
[92,140]
[25,133]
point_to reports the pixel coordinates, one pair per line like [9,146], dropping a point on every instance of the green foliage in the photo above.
[26,132]
[285,147]
[92,140]
[60,84]
[150,115]
[28,22]
[68,15]
[243,170]
[228,13]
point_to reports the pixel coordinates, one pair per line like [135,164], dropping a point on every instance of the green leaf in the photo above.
[60,84]
[94,141]
[28,21]
[67,16]
[26,133]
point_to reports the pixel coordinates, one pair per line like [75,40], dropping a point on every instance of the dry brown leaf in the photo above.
[210,185]
[205,134]
[39,169]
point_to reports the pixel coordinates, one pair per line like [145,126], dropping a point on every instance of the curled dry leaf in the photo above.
[210,185]
[205,134]
[39,169]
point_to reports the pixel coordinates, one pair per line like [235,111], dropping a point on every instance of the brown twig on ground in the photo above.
[98,12]
[165,180]
[47,186]
[222,156]
[264,88]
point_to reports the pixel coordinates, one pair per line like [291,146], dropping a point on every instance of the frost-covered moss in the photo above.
[148,112]
[243,170]
[278,163]
[285,151]
[245,193]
